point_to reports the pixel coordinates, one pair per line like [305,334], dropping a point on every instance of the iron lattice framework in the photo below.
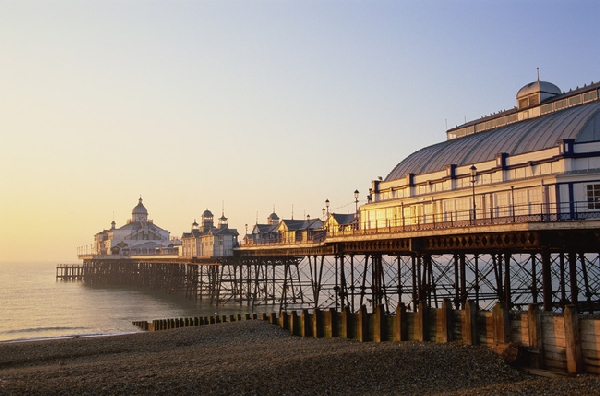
[520,267]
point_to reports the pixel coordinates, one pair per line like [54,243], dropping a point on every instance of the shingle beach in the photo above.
[257,358]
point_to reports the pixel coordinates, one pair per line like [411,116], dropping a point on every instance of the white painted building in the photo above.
[139,236]
[208,241]
[537,161]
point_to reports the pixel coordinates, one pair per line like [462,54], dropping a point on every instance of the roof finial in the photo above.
[538,73]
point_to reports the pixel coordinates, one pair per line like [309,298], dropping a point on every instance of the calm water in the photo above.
[34,305]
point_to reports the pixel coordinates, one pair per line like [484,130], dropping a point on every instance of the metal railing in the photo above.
[498,215]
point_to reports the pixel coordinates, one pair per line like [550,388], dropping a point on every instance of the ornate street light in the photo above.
[356,199]
[473,179]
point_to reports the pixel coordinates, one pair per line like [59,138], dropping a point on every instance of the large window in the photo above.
[593,196]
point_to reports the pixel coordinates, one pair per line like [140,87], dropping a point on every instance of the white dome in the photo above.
[538,87]
[139,213]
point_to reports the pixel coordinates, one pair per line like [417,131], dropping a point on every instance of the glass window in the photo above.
[593,196]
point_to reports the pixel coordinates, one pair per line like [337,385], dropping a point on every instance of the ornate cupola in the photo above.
[536,93]
[139,213]
[223,224]
[273,219]
[207,220]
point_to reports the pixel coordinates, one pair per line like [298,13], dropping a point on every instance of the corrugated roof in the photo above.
[581,123]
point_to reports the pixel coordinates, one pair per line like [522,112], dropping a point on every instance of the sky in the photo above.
[247,106]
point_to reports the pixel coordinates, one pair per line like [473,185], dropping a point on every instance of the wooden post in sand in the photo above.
[363,325]
[573,340]
[501,324]
[345,322]
[421,316]
[401,323]
[305,324]
[378,324]
[469,331]
[317,323]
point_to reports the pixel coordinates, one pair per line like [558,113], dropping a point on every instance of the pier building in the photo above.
[264,233]
[139,236]
[540,159]
[208,241]
[285,231]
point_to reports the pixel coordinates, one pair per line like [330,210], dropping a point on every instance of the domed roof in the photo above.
[139,213]
[207,213]
[273,216]
[535,134]
[139,209]
[538,87]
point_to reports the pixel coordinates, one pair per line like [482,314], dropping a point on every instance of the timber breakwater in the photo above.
[558,342]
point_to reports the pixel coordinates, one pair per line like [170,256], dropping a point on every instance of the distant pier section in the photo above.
[69,272]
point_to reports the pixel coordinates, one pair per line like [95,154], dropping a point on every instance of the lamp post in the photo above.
[327,205]
[356,209]
[512,193]
[473,179]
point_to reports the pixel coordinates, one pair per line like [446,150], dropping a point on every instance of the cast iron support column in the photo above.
[563,292]
[456,282]
[476,260]
[507,288]
[573,278]
[534,291]
[547,280]
[415,295]
[463,281]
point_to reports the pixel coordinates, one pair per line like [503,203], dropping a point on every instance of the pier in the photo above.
[69,272]
[550,263]
[502,216]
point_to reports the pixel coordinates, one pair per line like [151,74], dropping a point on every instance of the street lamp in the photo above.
[327,205]
[473,179]
[512,192]
[356,210]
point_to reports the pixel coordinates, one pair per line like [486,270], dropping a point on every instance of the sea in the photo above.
[34,305]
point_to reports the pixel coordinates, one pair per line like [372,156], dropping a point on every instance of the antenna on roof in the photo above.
[257,217]
[292,211]
[222,208]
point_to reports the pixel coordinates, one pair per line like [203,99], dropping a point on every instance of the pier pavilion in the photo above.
[139,236]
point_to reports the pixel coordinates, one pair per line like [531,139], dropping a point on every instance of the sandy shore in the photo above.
[256,358]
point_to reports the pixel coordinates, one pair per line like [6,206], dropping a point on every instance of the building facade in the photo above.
[139,236]
[540,159]
[207,241]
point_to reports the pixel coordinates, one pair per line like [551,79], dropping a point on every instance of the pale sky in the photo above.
[250,104]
